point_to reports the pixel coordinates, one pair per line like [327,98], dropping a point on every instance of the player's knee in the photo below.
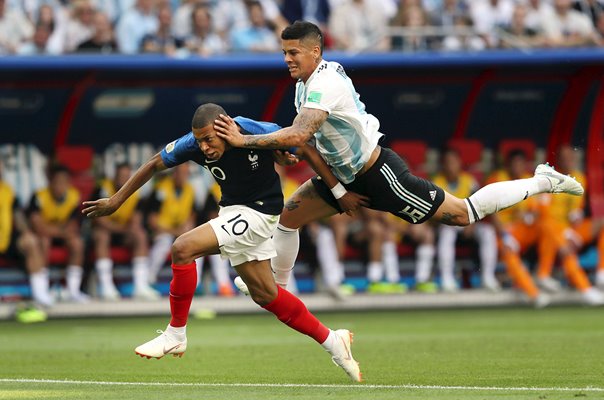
[181,253]
[262,295]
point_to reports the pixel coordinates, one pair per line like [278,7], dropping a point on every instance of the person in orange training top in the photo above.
[517,230]
[249,213]
[567,230]
[462,184]
[53,212]
[17,241]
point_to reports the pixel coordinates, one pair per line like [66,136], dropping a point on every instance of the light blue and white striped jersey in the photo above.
[349,135]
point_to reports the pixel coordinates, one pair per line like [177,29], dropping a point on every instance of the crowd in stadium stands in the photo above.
[539,234]
[183,28]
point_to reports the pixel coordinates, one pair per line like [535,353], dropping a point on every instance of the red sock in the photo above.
[292,312]
[182,288]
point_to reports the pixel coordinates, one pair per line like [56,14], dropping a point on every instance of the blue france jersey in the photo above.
[245,176]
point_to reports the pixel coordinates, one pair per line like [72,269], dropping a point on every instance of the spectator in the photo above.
[103,40]
[19,242]
[14,29]
[592,8]
[134,24]
[54,216]
[124,227]
[163,41]
[315,11]
[568,27]
[488,15]
[80,27]
[204,41]
[537,12]
[232,15]
[457,42]
[414,17]
[359,25]
[37,45]
[182,21]
[454,180]
[257,37]
[517,34]
[447,12]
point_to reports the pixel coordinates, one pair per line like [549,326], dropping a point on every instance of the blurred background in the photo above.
[467,92]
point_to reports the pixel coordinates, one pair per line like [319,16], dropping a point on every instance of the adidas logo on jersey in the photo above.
[432,194]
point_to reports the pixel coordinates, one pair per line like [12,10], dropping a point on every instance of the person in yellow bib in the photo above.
[54,216]
[170,213]
[462,184]
[123,227]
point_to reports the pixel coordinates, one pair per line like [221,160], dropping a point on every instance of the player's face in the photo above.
[59,184]
[301,57]
[122,175]
[209,143]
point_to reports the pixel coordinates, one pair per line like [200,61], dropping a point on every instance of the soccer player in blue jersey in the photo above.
[330,113]
[249,213]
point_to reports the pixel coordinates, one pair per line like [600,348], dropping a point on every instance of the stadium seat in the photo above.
[528,146]
[413,152]
[77,159]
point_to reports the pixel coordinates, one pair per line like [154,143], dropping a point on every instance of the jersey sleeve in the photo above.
[179,151]
[326,92]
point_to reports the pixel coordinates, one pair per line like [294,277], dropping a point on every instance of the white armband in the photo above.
[338,191]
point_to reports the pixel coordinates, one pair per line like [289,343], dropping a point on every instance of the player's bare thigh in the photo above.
[304,206]
[193,244]
[453,211]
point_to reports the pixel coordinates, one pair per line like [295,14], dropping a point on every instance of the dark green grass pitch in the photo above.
[555,353]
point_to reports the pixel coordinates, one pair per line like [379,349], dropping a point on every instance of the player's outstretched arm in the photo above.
[103,207]
[350,202]
[303,128]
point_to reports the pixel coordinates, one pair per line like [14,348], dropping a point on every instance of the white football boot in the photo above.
[341,354]
[548,284]
[164,344]
[560,183]
[241,286]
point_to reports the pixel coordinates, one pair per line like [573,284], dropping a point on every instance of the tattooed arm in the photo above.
[303,128]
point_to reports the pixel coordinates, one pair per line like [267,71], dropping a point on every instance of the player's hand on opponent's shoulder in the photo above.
[285,158]
[351,202]
[227,129]
[99,208]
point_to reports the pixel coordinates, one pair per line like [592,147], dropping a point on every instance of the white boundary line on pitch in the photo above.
[306,385]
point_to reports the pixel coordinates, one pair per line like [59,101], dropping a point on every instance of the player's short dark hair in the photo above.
[55,169]
[448,150]
[206,114]
[303,30]
[514,153]
[121,165]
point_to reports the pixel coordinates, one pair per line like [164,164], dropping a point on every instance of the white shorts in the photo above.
[245,234]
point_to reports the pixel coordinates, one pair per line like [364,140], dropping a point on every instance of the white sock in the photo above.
[40,282]
[287,244]
[199,269]
[327,255]
[447,235]
[104,270]
[390,261]
[501,195]
[73,276]
[180,333]
[140,272]
[158,253]
[220,270]
[487,250]
[425,258]
[329,343]
[375,271]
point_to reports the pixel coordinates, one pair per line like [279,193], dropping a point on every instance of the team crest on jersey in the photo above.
[170,147]
[253,160]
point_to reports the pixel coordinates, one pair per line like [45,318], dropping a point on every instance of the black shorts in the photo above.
[392,188]
[12,251]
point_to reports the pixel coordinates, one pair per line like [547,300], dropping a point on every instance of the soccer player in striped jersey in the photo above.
[331,114]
